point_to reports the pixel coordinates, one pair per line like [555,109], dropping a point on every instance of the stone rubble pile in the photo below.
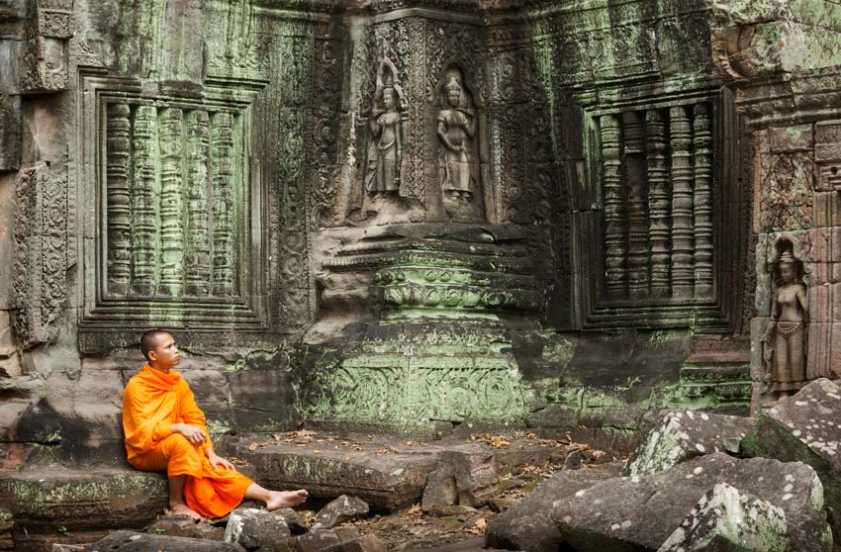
[252,530]
[698,482]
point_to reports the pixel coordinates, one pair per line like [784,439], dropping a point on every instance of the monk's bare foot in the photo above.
[278,499]
[184,510]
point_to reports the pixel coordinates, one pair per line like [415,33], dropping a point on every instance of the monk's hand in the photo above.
[192,433]
[216,460]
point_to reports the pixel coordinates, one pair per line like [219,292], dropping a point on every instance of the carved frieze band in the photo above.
[172,197]
[657,189]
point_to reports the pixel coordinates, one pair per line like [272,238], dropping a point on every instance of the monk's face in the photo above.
[165,355]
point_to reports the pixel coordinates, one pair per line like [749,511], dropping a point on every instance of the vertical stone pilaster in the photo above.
[118,163]
[703,202]
[634,147]
[172,202]
[198,240]
[682,260]
[658,203]
[222,148]
[614,207]
[145,195]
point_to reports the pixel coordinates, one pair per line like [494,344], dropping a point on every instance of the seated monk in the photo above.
[165,431]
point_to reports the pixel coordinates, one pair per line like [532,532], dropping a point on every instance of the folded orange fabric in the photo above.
[152,402]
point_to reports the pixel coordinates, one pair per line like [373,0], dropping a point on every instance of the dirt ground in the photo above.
[412,528]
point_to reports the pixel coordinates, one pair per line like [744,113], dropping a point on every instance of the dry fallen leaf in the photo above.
[481,523]
[252,447]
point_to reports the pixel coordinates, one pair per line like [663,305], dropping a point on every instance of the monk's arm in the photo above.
[193,416]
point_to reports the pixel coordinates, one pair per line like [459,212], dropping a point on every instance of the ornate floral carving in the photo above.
[786,202]
[40,238]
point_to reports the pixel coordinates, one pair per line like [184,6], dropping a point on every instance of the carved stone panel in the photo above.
[662,199]
[40,286]
[174,210]
[828,156]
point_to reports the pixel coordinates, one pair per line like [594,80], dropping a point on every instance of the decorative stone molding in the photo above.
[40,238]
[44,59]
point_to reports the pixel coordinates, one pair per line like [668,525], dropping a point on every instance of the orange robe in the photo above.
[152,402]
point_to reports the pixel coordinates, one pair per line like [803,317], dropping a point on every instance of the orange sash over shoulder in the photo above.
[152,402]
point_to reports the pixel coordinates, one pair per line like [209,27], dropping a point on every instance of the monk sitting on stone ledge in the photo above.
[165,432]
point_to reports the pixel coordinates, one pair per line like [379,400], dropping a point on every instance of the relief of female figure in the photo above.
[784,342]
[386,152]
[455,126]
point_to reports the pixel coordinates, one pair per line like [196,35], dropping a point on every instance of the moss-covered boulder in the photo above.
[728,520]
[806,428]
[641,513]
[682,435]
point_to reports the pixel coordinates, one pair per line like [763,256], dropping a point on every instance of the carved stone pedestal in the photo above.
[431,307]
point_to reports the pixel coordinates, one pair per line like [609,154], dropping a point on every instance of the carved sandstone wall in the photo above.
[206,166]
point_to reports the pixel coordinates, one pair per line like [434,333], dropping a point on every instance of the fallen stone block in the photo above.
[440,490]
[805,427]
[640,513]
[293,520]
[475,475]
[83,500]
[258,530]
[365,543]
[682,435]
[727,520]
[386,482]
[129,541]
[316,540]
[345,508]
[526,525]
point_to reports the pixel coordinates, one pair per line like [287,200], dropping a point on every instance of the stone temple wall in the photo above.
[270,180]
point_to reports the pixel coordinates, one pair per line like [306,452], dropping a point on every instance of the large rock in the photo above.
[806,427]
[640,513]
[255,529]
[316,540]
[340,510]
[385,481]
[128,541]
[727,520]
[682,435]
[527,525]
[42,499]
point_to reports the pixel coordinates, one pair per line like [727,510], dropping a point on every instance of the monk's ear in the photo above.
[152,355]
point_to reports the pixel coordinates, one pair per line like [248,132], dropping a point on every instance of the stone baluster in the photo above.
[703,202]
[683,273]
[222,144]
[172,202]
[637,228]
[144,201]
[118,157]
[658,203]
[614,208]
[197,252]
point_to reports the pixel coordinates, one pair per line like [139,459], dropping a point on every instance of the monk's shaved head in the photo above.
[149,340]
